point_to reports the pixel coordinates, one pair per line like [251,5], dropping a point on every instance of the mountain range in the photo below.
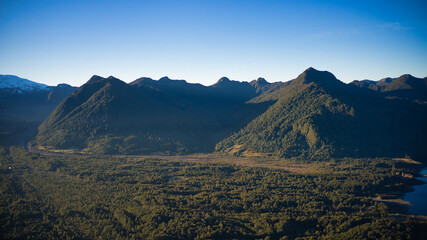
[106,115]
[313,116]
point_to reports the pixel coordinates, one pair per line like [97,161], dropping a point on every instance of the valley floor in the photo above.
[49,195]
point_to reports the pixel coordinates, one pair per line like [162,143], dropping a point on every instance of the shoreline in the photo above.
[397,197]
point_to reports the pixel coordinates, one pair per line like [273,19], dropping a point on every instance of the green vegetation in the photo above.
[117,197]
[290,128]
[314,116]
[317,116]
[108,116]
[317,161]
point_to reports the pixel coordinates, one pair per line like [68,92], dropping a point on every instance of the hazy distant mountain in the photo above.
[24,104]
[106,115]
[317,115]
[405,86]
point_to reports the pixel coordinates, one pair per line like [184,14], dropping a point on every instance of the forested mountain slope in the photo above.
[146,116]
[312,116]
[316,115]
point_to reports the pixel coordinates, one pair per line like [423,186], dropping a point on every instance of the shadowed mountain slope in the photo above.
[167,116]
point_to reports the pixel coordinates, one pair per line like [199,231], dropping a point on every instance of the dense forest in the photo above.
[62,196]
[318,116]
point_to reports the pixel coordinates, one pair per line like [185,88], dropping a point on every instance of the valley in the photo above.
[213,120]
[311,158]
[199,196]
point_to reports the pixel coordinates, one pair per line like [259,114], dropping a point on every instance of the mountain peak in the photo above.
[311,69]
[323,78]
[224,79]
[95,78]
[165,78]
[261,81]
[388,80]
[144,79]
[64,85]
[406,76]
[140,81]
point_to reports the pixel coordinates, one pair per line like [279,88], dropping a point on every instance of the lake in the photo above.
[418,198]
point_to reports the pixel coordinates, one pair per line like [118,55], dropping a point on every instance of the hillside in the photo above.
[318,116]
[167,116]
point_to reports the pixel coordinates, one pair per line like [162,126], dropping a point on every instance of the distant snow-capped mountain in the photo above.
[20,85]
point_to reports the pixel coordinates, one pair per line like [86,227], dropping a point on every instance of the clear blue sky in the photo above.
[200,41]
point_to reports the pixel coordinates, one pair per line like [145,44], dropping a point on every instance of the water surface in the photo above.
[418,198]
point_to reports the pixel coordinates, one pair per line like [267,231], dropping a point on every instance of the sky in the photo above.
[60,41]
